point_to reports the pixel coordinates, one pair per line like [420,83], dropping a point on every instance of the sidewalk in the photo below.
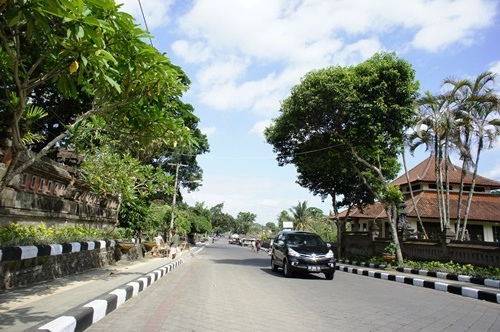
[81,297]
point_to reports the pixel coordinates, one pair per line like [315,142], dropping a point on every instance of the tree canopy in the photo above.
[89,49]
[80,74]
[357,117]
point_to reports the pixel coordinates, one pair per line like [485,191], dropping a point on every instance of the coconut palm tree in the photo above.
[436,130]
[301,215]
[476,108]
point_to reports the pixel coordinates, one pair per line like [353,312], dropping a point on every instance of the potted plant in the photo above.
[389,253]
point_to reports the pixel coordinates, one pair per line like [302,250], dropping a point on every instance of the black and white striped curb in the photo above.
[439,275]
[448,276]
[80,318]
[27,252]
[436,285]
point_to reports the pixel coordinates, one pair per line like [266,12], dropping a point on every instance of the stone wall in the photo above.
[364,244]
[20,266]
[50,192]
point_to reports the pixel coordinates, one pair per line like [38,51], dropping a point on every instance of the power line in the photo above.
[261,158]
[145,23]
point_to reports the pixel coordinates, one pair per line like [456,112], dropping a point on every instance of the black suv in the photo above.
[298,251]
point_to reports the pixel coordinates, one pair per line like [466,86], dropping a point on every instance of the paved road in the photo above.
[229,288]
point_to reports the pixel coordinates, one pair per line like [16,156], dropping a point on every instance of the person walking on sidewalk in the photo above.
[174,244]
[258,245]
[159,249]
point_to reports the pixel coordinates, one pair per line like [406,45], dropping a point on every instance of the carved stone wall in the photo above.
[49,192]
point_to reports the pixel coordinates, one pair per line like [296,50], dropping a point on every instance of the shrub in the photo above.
[391,248]
[18,235]
[435,266]
[455,268]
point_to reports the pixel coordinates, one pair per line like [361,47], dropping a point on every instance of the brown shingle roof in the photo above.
[375,211]
[484,207]
[425,172]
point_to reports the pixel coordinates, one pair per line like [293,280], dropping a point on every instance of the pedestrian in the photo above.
[258,245]
[160,245]
[174,244]
[253,245]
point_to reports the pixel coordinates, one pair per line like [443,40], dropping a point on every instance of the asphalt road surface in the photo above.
[229,288]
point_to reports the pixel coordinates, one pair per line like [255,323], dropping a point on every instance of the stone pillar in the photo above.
[445,238]
[375,230]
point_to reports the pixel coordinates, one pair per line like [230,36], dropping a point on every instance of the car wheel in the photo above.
[286,270]
[329,276]
[273,265]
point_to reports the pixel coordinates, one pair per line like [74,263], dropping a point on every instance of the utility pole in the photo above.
[175,195]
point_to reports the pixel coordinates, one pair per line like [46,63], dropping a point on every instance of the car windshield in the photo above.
[304,239]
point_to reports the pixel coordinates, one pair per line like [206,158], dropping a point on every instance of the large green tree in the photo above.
[79,47]
[360,112]
[244,222]
[221,222]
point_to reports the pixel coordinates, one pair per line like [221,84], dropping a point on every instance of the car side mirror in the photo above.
[329,245]
[281,242]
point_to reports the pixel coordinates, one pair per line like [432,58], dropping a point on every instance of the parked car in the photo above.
[299,251]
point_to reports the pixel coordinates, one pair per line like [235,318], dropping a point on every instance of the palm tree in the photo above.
[436,130]
[477,108]
[301,215]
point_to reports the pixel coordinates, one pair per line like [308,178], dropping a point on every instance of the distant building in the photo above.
[483,222]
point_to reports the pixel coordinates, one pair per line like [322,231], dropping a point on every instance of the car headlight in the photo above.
[293,253]
[329,254]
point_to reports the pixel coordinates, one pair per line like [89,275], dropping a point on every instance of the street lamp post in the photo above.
[173,200]
[172,216]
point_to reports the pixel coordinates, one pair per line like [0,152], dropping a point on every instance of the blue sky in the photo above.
[243,56]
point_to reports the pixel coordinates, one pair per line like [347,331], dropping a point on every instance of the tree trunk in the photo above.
[340,232]
[465,169]
[340,224]
[447,182]
[459,203]
[471,191]
[392,215]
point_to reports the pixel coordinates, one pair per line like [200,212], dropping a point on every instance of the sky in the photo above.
[244,56]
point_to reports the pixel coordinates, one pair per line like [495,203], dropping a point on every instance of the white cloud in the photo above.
[443,23]
[259,127]
[209,131]
[191,52]
[495,67]
[227,41]
[155,11]
[306,35]
[221,72]
[493,172]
